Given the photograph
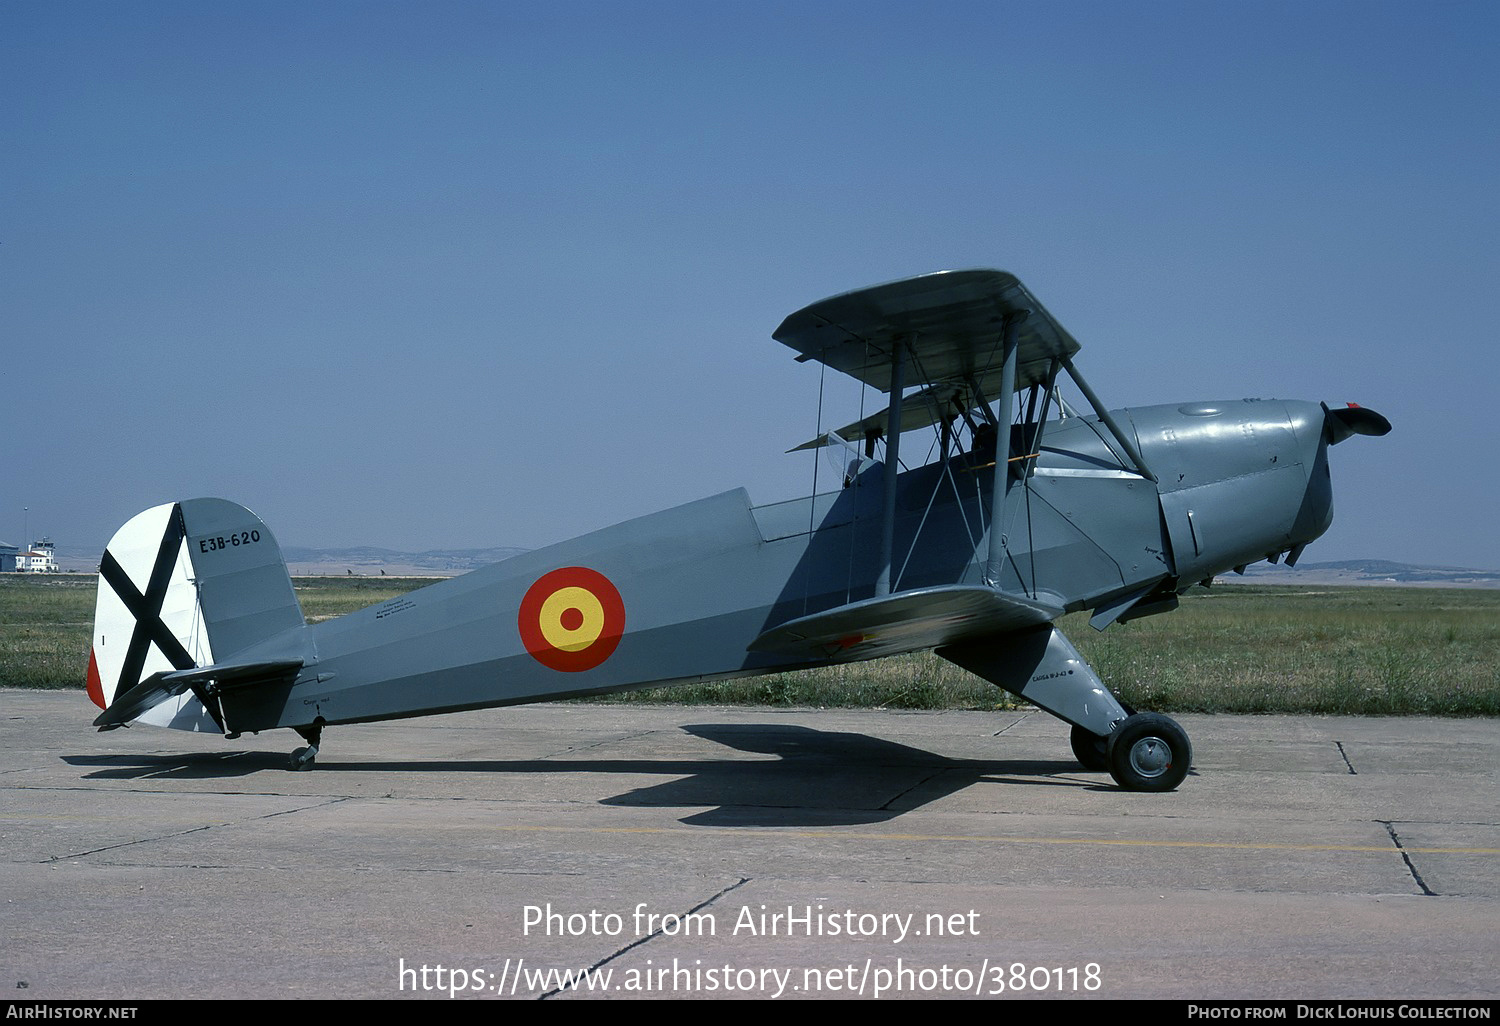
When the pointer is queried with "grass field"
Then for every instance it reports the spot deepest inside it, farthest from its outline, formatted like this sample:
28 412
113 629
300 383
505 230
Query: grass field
1238 648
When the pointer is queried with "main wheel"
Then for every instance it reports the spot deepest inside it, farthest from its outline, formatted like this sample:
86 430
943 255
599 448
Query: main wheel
1149 752
1092 750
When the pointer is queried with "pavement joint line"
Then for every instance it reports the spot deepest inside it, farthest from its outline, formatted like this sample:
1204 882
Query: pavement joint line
127 844
600 742
1345 756
173 790
906 791
182 833
1021 718
828 834
1406 857
656 933
836 835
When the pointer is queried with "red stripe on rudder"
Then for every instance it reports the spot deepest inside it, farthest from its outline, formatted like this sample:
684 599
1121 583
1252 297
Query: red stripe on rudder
96 689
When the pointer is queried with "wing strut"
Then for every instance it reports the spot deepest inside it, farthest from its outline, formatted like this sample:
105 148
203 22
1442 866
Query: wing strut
892 468
1034 444
1007 400
1107 420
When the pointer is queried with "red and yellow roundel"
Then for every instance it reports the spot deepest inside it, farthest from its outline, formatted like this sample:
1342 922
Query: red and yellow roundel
571 619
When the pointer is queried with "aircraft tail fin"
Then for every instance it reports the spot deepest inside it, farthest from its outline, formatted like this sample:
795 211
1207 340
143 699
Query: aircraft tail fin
181 586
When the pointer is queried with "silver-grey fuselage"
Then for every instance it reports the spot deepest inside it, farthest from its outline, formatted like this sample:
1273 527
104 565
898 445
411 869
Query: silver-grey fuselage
1234 482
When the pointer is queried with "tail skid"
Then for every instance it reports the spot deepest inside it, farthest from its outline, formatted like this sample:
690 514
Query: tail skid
181 586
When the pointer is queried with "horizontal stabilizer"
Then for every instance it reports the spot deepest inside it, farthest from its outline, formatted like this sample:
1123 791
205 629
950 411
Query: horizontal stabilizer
159 687
906 622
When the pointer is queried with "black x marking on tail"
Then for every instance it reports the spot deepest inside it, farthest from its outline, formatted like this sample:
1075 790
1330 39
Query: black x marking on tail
146 609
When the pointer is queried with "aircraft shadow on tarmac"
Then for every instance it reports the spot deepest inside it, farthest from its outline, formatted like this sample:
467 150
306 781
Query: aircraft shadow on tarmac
816 778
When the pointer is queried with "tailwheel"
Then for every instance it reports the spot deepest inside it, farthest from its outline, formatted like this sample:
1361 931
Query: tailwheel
1091 750
1149 752
302 758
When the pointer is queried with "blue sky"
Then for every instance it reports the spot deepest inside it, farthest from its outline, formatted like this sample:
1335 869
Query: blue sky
471 274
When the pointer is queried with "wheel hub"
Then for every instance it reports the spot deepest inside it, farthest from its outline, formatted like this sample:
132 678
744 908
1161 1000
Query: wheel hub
1151 757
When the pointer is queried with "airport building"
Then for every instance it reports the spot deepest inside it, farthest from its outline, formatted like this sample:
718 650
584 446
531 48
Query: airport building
39 559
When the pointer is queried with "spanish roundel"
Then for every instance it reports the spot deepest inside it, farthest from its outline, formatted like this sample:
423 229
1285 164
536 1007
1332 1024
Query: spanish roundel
571 619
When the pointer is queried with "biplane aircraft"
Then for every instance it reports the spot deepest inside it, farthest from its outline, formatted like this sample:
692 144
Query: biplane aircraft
1024 510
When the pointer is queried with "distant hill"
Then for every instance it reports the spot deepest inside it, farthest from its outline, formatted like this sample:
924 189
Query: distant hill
363 560
370 562
1367 571
449 562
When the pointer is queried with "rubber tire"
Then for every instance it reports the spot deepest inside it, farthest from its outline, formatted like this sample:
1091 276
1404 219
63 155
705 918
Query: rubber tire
1151 769
1090 749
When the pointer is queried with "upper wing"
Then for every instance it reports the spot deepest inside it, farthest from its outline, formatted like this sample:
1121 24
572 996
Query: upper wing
951 320
906 622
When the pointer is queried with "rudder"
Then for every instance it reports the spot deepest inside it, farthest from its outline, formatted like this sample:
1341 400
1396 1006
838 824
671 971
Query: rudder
183 585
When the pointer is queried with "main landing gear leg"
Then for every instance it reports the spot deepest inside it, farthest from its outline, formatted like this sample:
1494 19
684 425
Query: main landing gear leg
302 758
1142 751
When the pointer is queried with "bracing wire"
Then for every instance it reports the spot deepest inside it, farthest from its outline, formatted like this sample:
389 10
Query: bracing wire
812 501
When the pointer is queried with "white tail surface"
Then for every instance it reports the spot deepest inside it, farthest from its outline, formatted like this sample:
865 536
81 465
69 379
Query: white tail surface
179 585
